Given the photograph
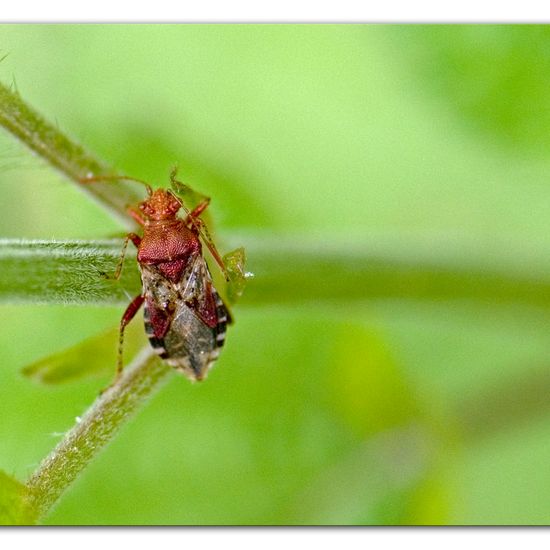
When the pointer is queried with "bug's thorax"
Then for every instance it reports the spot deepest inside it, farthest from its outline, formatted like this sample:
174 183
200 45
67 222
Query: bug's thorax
167 242
170 245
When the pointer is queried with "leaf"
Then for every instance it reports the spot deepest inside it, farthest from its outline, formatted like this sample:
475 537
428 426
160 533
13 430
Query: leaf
190 198
234 264
93 357
14 509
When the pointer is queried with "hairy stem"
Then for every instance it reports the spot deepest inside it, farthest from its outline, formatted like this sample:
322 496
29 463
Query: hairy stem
37 270
290 271
66 272
75 163
93 432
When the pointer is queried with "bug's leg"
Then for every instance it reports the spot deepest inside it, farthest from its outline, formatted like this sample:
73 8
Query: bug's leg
128 315
198 210
192 218
136 239
203 230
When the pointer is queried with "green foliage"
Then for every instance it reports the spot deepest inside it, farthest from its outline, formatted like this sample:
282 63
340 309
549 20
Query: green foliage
497 79
93 431
390 187
95 357
234 262
371 393
14 509
68 364
189 196
62 153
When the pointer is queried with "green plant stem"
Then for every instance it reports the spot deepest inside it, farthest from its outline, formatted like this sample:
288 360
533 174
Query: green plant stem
94 431
48 142
290 271
65 272
74 273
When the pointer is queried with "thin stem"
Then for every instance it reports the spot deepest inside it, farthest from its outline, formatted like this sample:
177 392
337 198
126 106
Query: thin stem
292 271
348 269
39 270
94 431
72 160
66 272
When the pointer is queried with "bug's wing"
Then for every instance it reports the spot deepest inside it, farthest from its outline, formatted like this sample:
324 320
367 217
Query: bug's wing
185 321
197 291
161 299
189 345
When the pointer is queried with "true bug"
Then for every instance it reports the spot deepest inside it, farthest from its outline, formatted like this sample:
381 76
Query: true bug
185 318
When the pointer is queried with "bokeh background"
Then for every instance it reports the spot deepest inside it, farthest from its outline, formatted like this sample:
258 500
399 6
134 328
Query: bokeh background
359 411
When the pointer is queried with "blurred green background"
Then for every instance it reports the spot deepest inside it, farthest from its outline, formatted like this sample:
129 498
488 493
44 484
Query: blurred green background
334 412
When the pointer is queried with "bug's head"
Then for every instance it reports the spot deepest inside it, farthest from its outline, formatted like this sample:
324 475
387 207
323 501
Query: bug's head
160 205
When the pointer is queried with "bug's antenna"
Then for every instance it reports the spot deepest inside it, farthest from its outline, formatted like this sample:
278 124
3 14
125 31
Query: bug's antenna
94 179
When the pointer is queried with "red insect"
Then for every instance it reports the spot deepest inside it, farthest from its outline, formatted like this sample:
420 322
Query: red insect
185 318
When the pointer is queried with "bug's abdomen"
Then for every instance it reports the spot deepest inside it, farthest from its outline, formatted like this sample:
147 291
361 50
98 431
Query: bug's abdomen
223 319
156 343
189 344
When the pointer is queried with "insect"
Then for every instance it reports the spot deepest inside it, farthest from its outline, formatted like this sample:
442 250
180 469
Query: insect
185 318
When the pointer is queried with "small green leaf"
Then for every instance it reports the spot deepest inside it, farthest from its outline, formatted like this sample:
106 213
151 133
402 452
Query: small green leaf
14 509
93 357
187 194
234 264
